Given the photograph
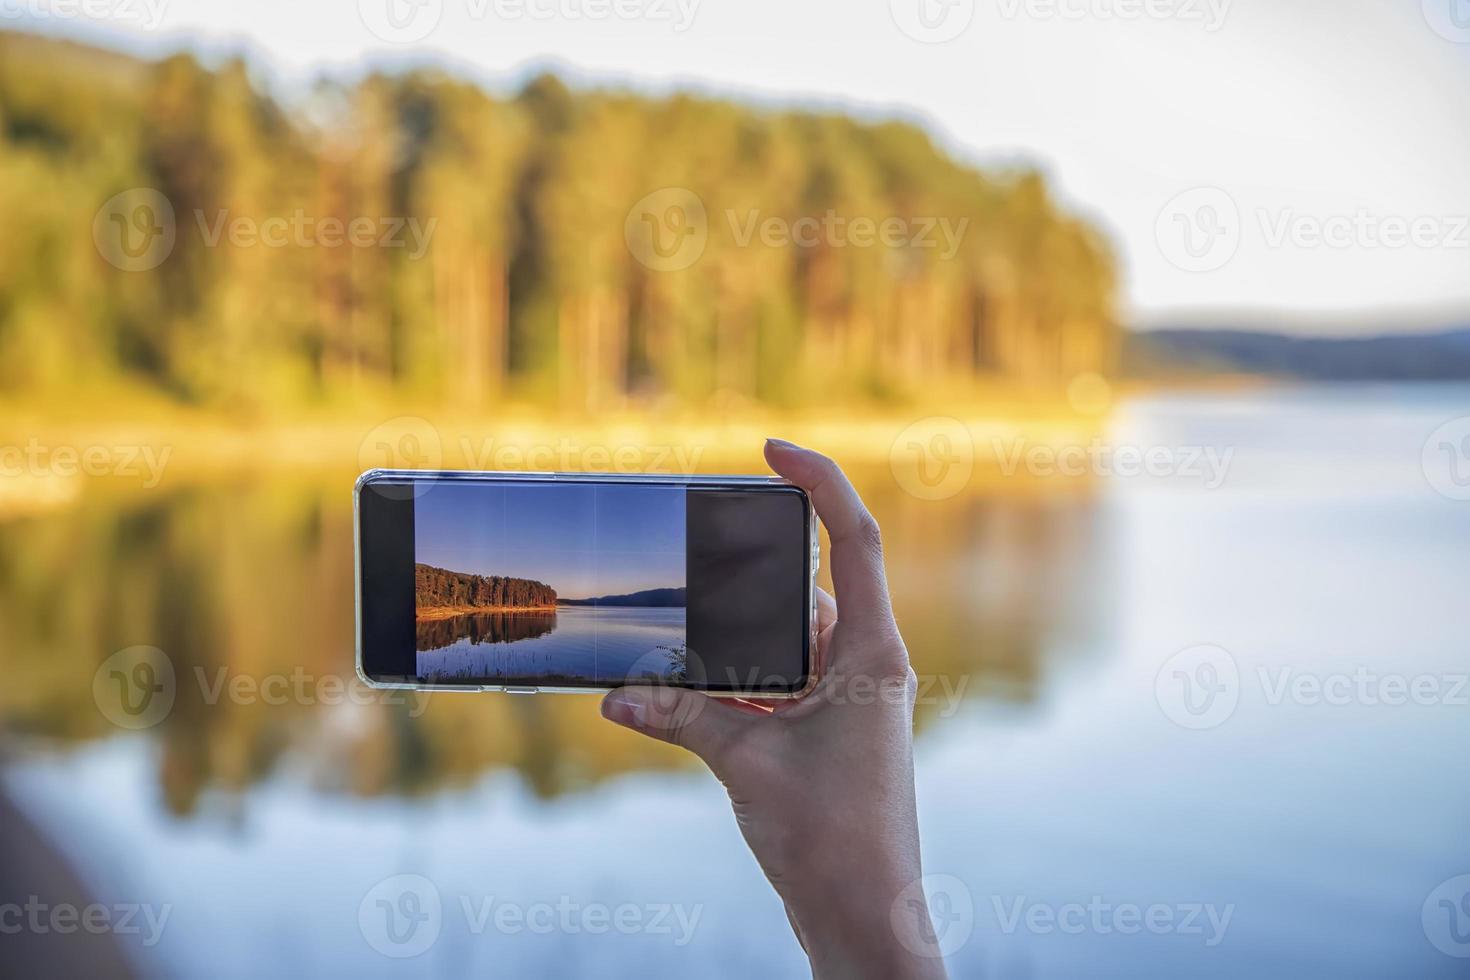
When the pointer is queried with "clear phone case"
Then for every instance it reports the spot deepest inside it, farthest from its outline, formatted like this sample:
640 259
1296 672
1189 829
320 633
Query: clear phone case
501 476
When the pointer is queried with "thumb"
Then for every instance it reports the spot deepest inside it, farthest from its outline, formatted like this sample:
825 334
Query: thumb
690 719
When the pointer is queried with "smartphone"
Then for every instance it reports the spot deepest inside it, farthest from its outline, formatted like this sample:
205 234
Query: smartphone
537 582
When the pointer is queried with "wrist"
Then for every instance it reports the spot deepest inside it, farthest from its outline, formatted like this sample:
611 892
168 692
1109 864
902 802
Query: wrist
877 927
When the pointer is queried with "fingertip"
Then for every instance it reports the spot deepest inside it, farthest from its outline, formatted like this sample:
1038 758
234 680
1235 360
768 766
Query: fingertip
623 707
788 459
777 449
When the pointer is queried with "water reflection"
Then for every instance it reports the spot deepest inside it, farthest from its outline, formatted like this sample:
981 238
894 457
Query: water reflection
247 588
477 628
1059 781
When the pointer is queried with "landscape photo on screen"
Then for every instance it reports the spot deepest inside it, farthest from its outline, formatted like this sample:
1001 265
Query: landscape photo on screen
575 584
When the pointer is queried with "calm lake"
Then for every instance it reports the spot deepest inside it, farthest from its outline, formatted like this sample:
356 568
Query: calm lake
1169 726
608 643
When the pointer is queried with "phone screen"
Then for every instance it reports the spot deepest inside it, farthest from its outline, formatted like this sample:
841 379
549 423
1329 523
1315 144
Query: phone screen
583 584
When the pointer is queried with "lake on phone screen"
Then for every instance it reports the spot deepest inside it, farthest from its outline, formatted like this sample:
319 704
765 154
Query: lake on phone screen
599 644
1203 722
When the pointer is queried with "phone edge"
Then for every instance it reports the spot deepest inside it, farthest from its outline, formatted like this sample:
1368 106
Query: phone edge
367 476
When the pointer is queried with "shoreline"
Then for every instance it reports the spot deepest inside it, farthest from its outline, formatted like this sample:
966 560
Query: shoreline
427 614
205 443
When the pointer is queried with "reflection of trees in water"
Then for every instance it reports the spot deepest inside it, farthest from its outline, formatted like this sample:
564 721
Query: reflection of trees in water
243 586
490 627
254 581
992 588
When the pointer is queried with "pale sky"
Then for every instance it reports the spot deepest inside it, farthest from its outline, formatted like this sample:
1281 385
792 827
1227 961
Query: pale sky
1338 130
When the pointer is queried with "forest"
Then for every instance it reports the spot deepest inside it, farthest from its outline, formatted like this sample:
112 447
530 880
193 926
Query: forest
441 590
416 236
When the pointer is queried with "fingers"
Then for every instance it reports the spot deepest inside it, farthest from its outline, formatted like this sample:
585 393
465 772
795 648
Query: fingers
690 719
857 553
826 609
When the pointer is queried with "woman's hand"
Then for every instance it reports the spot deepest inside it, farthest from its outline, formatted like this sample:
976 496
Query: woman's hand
823 787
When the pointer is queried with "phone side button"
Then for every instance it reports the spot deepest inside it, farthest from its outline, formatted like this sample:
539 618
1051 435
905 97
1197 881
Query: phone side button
519 690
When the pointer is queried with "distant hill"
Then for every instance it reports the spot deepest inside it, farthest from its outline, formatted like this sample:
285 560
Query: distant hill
648 597
1441 356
